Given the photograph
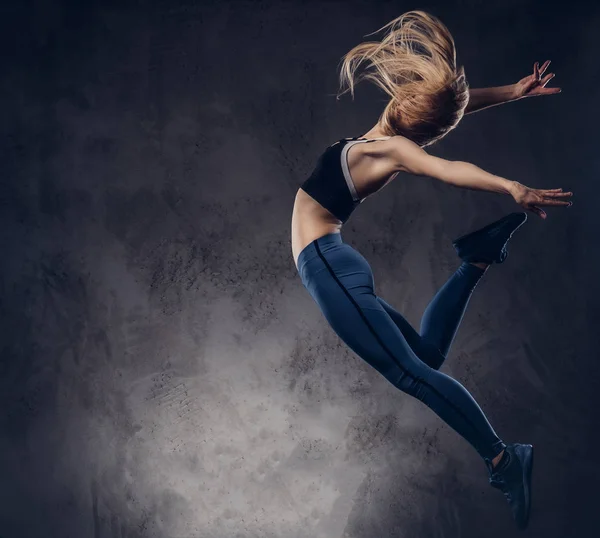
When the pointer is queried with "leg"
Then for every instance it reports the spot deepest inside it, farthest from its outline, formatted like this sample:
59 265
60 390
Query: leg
441 318
442 394
444 313
341 282
428 352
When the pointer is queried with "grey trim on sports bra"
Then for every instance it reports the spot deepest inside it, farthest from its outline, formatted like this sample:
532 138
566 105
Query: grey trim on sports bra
346 169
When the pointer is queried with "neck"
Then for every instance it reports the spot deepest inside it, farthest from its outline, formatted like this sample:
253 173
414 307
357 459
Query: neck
375 132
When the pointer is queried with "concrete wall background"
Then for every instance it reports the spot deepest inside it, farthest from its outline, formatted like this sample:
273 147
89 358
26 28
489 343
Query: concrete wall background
165 374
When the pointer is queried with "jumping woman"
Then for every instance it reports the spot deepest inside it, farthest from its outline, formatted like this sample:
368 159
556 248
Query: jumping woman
415 64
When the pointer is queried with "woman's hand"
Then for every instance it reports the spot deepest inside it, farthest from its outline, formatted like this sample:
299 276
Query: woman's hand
534 84
532 199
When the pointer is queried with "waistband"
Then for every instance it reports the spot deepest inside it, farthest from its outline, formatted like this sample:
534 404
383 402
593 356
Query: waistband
325 242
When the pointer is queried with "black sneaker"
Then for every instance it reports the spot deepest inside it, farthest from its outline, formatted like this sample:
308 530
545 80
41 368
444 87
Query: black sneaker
513 478
488 245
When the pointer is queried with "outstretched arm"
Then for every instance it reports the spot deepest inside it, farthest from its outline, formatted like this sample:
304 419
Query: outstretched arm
529 86
411 158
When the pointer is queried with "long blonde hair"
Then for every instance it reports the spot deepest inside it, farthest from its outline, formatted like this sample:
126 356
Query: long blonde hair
415 64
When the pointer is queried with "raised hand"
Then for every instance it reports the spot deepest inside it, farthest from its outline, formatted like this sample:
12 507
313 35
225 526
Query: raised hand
535 84
533 199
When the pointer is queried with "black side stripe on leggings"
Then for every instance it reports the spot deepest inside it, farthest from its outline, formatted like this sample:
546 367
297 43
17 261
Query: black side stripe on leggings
382 344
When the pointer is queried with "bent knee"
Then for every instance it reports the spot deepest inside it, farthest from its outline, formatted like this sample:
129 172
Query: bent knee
414 383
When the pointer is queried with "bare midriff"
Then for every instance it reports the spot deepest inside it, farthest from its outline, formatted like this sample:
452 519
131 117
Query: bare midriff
310 220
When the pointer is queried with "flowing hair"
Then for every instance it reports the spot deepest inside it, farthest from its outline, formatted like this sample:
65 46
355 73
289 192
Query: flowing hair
415 64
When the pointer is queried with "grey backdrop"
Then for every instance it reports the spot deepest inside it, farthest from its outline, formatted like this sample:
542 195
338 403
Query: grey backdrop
164 374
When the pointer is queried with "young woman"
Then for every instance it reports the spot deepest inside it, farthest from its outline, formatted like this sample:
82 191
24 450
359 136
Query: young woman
415 64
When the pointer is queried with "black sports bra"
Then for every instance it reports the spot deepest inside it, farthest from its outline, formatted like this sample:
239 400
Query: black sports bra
330 183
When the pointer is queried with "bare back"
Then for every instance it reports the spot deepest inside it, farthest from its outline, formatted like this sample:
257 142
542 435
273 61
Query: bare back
370 168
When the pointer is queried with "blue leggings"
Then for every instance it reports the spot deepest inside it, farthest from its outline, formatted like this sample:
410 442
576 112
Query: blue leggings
340 280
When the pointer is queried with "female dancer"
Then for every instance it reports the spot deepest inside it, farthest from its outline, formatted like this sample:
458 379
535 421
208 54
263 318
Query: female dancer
415 64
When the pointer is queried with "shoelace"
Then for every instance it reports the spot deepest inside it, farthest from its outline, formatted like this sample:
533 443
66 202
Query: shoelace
501 485
497 483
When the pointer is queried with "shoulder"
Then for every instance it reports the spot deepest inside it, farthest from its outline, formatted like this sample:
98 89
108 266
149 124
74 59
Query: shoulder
407 156
401 143
399 149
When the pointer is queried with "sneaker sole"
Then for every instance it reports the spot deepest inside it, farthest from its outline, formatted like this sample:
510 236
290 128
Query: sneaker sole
493 225
527 473
512 233
521 224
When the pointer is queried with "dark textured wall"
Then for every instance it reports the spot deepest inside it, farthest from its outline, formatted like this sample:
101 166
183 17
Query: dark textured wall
164 374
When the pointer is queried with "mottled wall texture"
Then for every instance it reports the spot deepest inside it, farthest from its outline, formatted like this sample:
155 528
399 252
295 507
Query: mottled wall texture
164 374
